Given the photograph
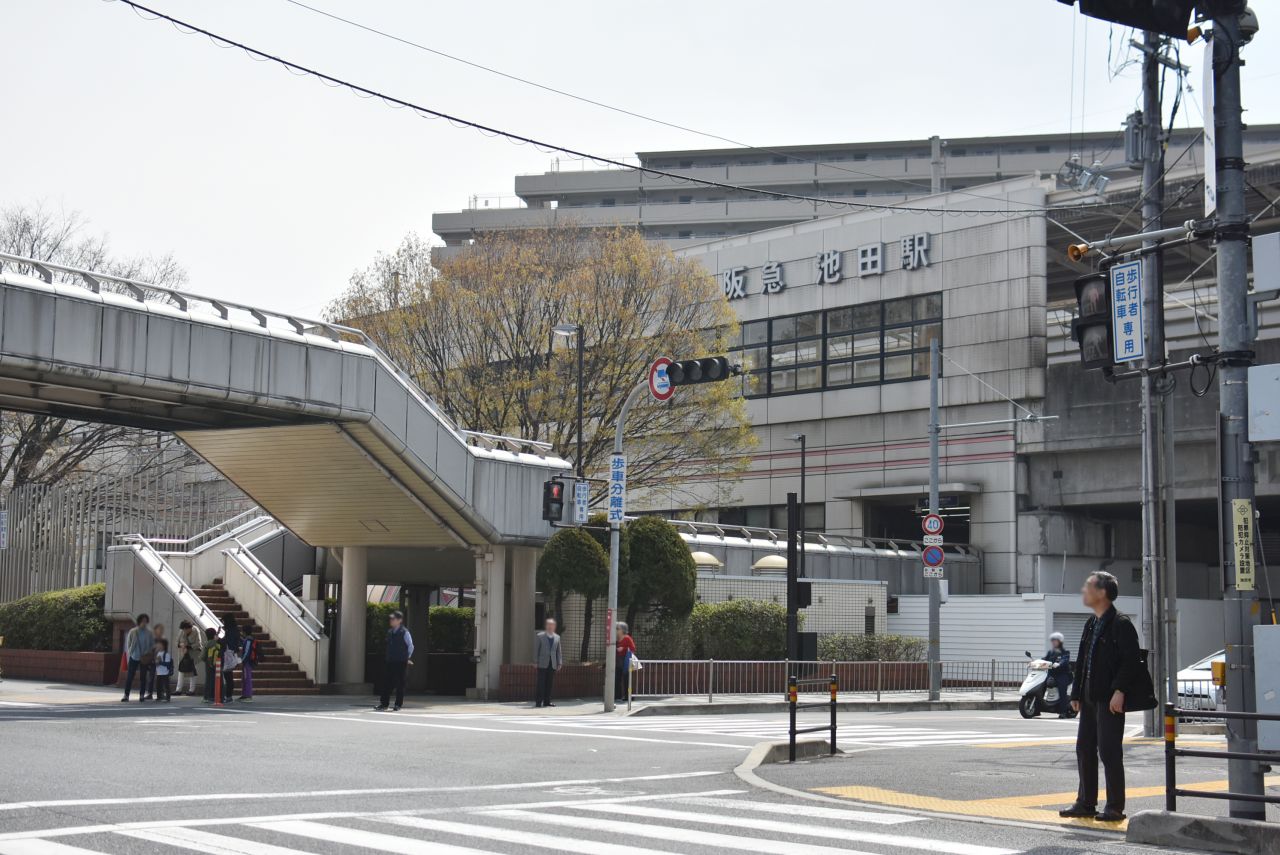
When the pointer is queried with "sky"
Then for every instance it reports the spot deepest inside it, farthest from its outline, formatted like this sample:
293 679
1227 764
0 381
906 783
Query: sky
271 189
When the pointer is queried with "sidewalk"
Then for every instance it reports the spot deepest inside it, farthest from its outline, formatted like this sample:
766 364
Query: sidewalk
846 702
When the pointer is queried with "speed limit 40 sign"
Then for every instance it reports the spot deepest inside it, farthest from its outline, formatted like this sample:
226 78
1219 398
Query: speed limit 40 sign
932 524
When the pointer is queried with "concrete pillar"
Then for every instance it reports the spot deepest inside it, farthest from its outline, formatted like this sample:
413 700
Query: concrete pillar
418 606
520 628
491 589
352 610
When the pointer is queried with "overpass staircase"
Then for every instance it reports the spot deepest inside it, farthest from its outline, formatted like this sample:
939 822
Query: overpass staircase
276 673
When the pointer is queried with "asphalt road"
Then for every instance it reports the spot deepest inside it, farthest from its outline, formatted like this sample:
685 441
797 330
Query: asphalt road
329 775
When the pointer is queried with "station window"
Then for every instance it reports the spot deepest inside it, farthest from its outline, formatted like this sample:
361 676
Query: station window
860 345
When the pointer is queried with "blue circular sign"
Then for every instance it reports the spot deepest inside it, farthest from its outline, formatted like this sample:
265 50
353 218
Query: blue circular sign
933 556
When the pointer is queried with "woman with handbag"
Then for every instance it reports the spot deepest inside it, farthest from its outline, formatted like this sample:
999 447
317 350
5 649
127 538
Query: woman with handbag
190 650
231 646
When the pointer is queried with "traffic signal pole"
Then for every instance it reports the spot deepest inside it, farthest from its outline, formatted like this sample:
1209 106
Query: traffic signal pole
615 543
1235 344
935 585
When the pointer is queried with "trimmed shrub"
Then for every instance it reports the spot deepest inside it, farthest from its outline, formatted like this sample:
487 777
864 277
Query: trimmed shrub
739 629
660 569
849 647
70 619
665 637
451 629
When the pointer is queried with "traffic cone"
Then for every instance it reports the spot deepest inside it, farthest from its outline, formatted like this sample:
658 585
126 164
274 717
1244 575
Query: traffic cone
124 665
217 684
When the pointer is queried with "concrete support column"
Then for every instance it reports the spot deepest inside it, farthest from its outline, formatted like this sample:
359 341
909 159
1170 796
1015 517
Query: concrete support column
416 621
521 611
491 589
352 611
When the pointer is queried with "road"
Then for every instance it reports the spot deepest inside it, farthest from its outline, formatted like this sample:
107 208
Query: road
329 775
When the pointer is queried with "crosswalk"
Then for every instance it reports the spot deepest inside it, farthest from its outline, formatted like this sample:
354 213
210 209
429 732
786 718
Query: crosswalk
775 727
711 821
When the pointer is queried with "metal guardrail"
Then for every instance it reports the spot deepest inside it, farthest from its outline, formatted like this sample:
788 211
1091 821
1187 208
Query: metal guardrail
794 705
148 556
276 590
709 678
1172 752
817 539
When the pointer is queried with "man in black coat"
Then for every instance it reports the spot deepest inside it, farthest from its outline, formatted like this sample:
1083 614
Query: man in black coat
1108 666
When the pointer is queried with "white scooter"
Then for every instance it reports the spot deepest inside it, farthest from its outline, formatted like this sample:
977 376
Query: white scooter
1039 693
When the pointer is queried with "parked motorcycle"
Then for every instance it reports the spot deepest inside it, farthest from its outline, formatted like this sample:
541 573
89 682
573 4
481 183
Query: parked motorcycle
1039 693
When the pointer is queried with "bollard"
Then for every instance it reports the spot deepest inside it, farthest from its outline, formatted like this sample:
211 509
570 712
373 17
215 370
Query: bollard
879 677
792 693
1170 759
217 683
993 679
834 692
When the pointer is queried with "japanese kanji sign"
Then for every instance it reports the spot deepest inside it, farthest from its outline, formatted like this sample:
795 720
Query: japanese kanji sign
1126 312
617 488
1242 532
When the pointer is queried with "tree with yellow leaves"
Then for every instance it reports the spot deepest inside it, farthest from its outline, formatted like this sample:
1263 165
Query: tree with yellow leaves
477 335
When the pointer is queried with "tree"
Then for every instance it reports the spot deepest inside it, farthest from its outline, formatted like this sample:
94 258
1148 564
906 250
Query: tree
47 449
661 571
573 562
477 335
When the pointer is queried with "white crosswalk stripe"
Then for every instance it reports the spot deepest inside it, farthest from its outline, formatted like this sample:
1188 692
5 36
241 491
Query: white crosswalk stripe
861 735
638 824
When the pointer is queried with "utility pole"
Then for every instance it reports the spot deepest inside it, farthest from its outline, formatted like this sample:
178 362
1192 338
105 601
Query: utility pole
1155 387
1235 344
935 585
793 585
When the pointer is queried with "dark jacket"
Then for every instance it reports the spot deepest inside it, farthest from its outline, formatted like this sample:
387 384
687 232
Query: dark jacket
399 645
1117 659
1061 660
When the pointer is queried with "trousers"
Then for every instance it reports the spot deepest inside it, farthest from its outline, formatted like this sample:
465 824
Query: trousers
1100 737
546 677
393 681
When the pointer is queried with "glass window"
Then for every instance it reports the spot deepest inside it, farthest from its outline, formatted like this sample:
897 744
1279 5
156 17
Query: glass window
752 358
898 339
920 366
782 381
840 320
755 332
866 371
866 316
839 373
784 328
810 324
925 333
809 378
866 343
898 367
815 516
754 385
928 307
782 354
839 347
758 517
809 351
897 312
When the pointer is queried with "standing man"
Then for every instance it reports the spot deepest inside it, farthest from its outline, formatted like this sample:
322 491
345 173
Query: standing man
399 657
1108 668
1060 673
138 646
549 660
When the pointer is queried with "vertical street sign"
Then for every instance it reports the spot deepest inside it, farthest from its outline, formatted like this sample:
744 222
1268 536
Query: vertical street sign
581 500
1126 311
1210 133
1242 529
4 529
617 488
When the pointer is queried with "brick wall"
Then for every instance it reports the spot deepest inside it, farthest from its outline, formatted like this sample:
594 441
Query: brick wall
93 669
517 682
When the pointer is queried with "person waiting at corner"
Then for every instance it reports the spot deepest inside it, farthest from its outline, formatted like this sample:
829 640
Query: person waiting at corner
138 646
1060 672
625 649
399 658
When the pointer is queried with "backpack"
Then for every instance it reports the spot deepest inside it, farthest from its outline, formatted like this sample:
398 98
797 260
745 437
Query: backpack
251 650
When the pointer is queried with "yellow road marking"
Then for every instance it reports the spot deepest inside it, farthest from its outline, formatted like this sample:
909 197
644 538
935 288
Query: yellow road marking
1023 808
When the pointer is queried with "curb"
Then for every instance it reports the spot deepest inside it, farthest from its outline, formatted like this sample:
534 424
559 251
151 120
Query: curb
1218 834
780 706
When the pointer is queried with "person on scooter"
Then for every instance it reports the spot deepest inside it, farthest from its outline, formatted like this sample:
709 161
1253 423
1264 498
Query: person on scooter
1060 672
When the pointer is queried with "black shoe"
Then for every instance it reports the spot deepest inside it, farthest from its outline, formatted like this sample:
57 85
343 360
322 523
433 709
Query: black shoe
380 708
1078 811
125 699
1110 815
396 708
548 704
1064 715
535 706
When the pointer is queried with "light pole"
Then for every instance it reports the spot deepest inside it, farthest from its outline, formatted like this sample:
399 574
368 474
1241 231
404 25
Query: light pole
566 331
800 438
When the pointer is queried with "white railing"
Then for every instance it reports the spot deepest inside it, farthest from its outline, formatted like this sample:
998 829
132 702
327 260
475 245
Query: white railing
210 538
709 678
182 593
284 599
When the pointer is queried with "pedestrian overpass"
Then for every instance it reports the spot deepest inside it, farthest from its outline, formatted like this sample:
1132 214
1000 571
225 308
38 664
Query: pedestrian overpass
309 418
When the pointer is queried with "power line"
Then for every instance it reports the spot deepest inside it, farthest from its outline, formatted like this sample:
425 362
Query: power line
427 112
624 111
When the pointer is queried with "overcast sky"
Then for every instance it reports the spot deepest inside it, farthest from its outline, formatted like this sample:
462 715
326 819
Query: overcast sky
272 188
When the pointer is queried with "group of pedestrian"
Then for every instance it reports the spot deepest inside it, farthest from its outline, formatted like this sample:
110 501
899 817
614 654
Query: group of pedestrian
549 658
148 657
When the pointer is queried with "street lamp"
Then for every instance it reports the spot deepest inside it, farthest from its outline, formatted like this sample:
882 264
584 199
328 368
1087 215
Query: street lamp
800 438
567 331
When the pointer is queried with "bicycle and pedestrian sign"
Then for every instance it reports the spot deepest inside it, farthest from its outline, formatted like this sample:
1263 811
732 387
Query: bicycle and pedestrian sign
660 386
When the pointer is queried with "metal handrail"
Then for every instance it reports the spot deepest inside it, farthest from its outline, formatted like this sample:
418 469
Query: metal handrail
182 593
275 589
1172 752
187 301
229 534
819 540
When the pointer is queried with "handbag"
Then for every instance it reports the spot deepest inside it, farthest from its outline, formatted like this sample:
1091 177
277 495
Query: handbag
636 664
186 665
230 661
1142 695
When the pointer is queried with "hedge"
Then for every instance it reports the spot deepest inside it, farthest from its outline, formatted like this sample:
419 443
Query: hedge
70 619
376 626
451 629
739 629
848 647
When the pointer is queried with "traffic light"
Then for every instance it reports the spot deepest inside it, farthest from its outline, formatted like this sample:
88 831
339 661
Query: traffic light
709 369
804 594
1091 328
553 500
1169 17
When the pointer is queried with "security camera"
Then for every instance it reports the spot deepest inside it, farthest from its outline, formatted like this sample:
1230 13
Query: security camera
1248 25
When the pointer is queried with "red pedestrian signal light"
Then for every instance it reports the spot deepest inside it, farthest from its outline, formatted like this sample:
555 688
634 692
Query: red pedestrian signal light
553 500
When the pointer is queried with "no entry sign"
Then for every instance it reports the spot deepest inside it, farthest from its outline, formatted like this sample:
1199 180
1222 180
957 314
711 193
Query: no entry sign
659 383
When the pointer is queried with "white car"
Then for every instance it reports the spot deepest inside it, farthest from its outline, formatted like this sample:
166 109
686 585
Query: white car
1195 685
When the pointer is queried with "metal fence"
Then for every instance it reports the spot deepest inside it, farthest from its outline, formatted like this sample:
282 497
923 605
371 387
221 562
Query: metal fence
709 678
58 535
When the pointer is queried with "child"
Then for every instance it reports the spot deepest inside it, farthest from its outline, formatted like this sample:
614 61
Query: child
164 668
212 659
248 659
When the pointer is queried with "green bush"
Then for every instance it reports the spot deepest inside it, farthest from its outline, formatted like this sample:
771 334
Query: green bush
451 629
665 637
739 629
376 626
848 647
70 619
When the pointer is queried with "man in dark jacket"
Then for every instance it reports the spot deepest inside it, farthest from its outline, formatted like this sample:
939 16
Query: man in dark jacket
1110 657
399 657
1060 672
